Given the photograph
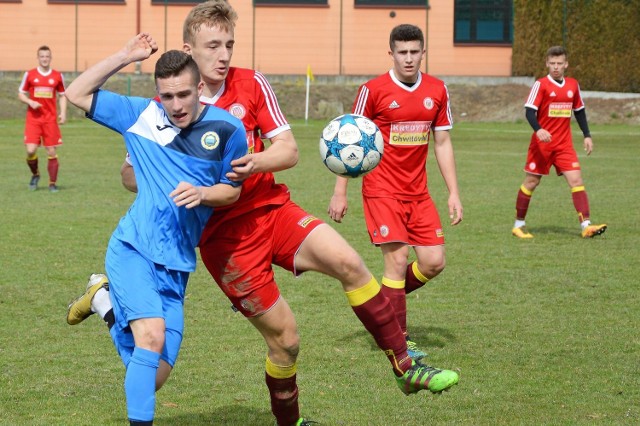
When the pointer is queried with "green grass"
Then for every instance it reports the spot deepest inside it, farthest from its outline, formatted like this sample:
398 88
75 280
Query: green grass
542 331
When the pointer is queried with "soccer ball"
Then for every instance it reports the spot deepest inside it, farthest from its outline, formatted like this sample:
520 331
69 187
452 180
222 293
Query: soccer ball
351 145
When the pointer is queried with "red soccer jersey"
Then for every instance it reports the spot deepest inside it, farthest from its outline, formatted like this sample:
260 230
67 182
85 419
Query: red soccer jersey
42 88
555 102
406 117
247 95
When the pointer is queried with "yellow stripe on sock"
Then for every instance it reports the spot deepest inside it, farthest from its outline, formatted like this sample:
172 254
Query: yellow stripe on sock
52 158
280 371
32 157
525 191
363 294
388 282
577 189
417 273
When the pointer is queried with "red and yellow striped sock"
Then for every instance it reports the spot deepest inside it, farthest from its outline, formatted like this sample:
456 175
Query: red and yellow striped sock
376 314
283 390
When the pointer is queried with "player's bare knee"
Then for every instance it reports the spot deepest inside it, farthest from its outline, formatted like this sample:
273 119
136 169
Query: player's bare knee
285 349
433 266
152 339
351 267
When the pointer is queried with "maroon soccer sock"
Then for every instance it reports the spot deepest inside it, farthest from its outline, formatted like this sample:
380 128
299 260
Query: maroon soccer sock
52 168
580 202
398 301
32 162
522 202
412 282
284 399
377 315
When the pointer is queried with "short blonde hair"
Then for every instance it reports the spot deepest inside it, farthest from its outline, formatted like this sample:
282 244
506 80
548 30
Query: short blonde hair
210 13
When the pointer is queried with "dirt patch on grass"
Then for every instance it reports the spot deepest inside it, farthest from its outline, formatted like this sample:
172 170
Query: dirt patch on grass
469 102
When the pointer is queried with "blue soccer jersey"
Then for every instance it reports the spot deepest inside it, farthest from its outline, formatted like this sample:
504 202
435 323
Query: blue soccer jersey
163 155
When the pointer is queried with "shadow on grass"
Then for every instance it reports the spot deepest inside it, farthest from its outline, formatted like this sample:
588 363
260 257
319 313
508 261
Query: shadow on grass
227 415
425 337
549 230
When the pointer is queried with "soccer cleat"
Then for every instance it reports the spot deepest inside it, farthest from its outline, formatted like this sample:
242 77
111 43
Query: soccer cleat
521 232
80 308
593 230
33 184
421 376
303 422
414 352
53 188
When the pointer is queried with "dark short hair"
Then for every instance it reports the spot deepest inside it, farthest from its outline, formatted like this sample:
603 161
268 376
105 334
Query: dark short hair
44 47
557 51
406 32
173 62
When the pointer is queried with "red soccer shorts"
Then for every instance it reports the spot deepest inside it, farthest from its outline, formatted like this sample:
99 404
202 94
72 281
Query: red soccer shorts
415 223
46 133
542 156
240 253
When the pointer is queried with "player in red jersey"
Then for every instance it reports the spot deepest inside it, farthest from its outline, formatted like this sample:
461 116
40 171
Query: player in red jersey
408 106
264 227
39 89
548 110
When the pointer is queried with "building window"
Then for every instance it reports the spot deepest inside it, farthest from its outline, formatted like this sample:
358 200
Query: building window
290 2
86 1
483 22
394 3
162 2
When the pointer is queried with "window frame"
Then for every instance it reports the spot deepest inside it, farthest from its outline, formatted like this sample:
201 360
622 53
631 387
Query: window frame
399 4
474 10
175 2
291 3
114 2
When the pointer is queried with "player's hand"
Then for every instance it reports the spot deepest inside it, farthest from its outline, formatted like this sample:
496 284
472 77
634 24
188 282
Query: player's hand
35 105
455 209
337 207
141 47
543 135
243 167
62 118
187 195
588 145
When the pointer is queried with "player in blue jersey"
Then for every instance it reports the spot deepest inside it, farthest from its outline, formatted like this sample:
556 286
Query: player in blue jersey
181 152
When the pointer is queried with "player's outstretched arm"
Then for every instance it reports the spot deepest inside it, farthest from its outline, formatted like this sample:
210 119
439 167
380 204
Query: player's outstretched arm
588 145
338 205
80 91
218 195
282 154
447 164
27 100
128 177
62 117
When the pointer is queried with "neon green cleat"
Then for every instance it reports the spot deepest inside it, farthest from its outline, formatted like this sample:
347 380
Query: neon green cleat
421 376
414 352
521 232
80 308
304 422
593 230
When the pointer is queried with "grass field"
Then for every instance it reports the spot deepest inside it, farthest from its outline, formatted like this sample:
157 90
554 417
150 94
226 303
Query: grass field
542 331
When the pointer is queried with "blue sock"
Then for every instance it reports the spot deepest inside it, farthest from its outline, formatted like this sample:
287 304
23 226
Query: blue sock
140 384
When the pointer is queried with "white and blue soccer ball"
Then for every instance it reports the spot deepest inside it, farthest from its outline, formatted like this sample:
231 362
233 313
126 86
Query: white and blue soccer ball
351 145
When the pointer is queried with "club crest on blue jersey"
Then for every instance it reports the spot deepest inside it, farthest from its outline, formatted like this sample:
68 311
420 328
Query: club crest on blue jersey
210 140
